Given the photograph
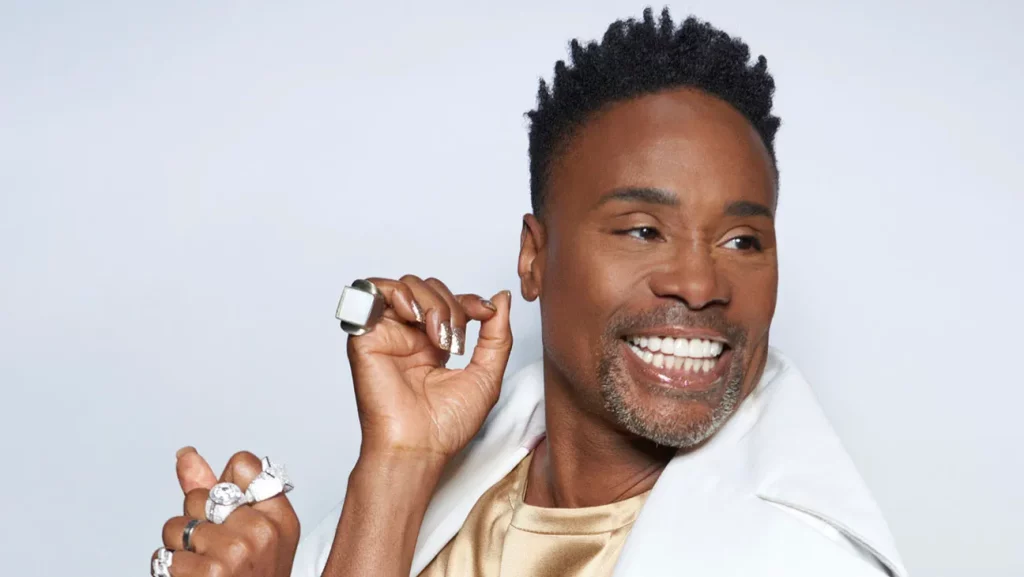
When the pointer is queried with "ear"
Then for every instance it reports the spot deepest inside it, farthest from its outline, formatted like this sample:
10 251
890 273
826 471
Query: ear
531 257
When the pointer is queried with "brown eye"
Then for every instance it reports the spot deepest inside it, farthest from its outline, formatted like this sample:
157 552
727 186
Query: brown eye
745 243
643 233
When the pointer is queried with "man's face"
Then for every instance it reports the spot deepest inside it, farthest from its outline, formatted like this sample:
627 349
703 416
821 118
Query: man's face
656 265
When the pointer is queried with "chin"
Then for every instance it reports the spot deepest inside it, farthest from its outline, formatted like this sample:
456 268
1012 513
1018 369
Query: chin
665 414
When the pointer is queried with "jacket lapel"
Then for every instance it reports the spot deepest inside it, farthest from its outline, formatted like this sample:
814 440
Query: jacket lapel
730 508
722 509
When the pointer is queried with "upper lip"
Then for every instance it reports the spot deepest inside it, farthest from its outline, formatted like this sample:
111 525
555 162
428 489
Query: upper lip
679 332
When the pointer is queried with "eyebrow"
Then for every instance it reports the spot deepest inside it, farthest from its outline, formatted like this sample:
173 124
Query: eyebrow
742 208
641 194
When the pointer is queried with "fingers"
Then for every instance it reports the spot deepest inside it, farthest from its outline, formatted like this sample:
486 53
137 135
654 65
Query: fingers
400 299
264 519
205 537
431 304
241 469
495 342
438 311
193 470
195 503
477 308
458 315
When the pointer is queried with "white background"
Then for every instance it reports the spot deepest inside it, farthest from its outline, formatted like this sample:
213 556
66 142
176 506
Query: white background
185 187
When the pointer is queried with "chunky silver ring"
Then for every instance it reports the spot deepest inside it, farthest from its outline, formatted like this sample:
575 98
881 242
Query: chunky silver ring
223 500
360 307
162 563
186 537
272 481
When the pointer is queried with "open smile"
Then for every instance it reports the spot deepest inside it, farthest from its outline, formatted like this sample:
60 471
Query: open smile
696 363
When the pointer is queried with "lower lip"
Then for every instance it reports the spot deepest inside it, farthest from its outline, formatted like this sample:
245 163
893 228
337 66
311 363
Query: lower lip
677 378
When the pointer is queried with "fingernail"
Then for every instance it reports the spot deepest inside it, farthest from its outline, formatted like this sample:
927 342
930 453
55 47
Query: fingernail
184 450
488 304
458 341
417 311
444 336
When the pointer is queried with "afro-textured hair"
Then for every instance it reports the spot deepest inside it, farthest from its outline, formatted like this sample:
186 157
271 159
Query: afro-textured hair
639 58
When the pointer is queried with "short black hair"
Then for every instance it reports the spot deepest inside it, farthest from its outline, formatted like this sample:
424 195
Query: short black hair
639 58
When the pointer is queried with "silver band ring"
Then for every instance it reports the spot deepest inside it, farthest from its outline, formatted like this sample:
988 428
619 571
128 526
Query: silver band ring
186 537
360 308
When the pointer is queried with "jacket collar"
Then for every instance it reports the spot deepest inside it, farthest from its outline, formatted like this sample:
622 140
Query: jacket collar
777 452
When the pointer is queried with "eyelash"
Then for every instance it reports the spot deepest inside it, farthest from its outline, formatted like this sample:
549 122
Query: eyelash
754 242
651 229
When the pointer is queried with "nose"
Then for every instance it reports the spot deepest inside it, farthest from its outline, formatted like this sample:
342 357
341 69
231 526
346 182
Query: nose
692 277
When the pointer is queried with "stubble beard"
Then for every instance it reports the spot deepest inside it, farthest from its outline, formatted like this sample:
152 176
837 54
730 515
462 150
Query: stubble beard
693 423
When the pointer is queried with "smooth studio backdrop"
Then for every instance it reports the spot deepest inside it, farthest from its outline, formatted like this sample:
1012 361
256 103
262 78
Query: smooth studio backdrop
185 187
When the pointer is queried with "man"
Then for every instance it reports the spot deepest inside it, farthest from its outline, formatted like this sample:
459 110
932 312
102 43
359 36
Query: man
660 435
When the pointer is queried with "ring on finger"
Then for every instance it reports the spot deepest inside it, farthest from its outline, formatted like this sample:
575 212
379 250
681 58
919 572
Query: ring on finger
360 308
223 500
186 536
161 565
273 480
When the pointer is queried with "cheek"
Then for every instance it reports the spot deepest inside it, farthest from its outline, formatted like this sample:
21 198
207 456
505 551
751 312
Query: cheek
581 289
754 292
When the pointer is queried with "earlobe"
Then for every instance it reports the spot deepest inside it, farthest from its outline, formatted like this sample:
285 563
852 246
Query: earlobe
531 247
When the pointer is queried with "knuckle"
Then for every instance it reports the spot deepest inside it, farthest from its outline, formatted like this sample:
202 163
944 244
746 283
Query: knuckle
264 533
244 462
243 457
405 278
436 283
216 568
238 551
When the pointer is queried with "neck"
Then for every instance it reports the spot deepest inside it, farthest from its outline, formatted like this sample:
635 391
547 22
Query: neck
585 461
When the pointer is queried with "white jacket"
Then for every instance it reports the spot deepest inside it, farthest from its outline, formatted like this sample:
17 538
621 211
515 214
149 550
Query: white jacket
772 493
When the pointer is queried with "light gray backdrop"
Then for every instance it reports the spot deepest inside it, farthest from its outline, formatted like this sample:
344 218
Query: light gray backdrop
185 187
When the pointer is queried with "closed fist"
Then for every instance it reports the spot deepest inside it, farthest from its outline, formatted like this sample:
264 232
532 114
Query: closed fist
257 540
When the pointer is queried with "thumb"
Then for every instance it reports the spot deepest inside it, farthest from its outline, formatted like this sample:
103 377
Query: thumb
494 343
193 471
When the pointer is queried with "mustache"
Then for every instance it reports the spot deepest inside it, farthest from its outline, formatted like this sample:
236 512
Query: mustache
678 315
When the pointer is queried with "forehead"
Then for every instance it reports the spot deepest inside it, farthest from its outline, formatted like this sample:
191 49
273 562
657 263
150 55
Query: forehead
684 141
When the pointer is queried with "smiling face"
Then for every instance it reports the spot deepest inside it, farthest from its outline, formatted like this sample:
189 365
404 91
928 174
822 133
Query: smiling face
655 265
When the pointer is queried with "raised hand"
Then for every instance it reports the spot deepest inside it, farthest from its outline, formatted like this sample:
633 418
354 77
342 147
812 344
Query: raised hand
409 402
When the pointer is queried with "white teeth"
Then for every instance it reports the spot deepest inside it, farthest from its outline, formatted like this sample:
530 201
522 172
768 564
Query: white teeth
654 343
675 362
694 348
668 346
682 348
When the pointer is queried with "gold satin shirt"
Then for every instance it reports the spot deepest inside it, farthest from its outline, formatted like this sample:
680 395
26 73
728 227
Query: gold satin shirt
505 537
